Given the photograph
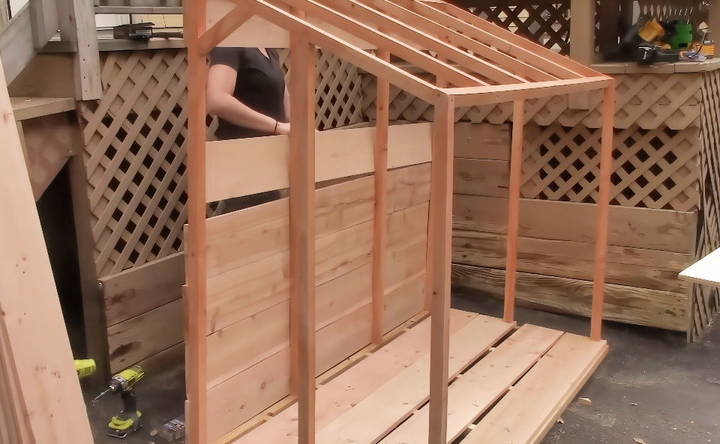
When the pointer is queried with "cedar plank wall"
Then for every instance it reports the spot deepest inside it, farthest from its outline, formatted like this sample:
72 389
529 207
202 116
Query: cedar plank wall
647 247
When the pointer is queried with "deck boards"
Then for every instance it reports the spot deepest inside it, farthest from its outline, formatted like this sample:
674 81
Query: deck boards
375 415
550 384
383 397
482 385
352 386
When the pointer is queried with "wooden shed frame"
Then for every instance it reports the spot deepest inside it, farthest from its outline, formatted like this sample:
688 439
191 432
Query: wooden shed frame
476 63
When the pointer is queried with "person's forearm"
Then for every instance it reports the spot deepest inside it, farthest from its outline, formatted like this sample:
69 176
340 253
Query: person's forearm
234 111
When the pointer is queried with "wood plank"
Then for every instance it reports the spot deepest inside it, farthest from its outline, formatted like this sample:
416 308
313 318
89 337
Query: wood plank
634 267
356 383
44 19
16 44
513 218
141 289
629 227
382 120
46 396
248 166
482 141
551 385
440 257
632 305
390 404
477 177
31 107
237 346
303 64
77 25
483 384
705 271
145 335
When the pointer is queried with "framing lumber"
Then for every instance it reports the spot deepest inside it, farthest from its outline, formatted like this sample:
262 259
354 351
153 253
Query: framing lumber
196 304
382 121
603 205
46 400
441 240
380 255
45 21
77 25
513 225
303 59
16 44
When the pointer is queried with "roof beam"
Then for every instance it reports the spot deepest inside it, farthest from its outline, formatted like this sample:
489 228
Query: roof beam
500 38
485 95
459 40
414 85
425 41
222 29
394 46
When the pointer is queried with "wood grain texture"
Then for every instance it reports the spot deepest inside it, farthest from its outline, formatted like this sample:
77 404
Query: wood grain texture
482 385
48 405
247 166
141 289
482 141
377 414
634 267
551 385
482 177
639 306
357 382
629 227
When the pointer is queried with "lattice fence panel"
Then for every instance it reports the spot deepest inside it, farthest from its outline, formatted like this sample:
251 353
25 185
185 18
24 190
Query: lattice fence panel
695 11
134 156
134 150
544 21
652 169
706 301
649 101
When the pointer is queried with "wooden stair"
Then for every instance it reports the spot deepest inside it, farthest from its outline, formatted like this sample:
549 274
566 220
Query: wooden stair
49 134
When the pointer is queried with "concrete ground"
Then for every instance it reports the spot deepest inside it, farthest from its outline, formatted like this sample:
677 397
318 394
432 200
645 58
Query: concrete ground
653 388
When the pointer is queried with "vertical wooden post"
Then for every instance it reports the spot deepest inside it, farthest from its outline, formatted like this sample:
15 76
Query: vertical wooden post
582 43
603 204
382 120
513 225
303 60
196 373
77 24
442 192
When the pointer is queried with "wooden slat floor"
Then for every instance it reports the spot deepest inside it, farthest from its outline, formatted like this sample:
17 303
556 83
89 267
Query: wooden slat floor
507 385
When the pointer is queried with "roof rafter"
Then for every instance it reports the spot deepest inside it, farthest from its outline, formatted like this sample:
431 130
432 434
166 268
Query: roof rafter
381 40
457 39
421 39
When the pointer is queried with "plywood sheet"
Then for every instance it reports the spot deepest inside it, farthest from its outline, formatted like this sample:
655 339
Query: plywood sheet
705 271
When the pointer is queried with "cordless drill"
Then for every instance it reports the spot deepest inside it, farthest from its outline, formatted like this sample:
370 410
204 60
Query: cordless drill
130 418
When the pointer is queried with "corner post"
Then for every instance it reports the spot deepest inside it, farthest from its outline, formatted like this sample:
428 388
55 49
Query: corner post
196 265
603 209
441 222
382 118
513 224
303 61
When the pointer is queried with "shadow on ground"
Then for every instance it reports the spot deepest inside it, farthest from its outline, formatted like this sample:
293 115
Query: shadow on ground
652 388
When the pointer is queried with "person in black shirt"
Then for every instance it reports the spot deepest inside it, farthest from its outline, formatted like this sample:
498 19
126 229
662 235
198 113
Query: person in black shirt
246 90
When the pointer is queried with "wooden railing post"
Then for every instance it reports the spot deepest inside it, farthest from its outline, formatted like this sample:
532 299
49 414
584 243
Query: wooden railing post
303 59
603 209
582 43
513 225
441 250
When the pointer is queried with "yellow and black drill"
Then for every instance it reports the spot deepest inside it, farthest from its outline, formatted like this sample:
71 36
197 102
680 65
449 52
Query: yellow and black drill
130 418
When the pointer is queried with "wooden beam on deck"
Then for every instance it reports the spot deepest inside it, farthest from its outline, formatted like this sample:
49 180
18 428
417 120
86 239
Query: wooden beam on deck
77 25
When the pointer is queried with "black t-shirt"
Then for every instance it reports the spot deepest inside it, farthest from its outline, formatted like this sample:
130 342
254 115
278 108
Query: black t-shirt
260 84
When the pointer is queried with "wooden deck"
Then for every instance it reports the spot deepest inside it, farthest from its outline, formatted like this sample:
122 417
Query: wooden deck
494 369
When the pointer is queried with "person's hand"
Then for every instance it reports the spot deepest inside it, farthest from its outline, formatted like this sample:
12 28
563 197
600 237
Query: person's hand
283 128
